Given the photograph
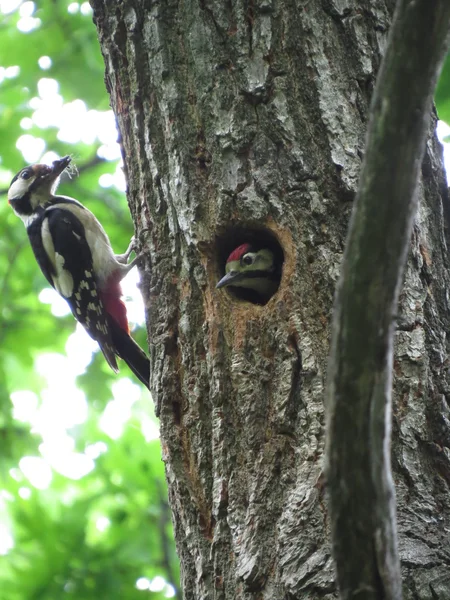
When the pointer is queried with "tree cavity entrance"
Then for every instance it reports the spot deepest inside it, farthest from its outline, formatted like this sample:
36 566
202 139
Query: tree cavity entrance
253 259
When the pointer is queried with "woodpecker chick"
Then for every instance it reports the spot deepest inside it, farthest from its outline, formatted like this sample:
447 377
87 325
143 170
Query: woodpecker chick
76 257
252 270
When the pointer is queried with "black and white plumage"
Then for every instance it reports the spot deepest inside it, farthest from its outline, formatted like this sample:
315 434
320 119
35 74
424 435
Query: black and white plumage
75 255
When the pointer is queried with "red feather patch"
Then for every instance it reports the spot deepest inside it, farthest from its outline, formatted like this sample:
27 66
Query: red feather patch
113 303
239 252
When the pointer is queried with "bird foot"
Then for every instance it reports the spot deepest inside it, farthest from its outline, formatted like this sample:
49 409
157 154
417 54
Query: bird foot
123 258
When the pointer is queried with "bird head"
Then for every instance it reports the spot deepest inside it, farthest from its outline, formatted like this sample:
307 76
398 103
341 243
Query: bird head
34 185
253 270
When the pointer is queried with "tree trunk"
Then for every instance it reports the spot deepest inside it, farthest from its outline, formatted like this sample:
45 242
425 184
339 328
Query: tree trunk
245 121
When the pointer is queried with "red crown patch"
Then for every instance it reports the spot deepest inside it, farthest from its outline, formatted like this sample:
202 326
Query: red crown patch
238 252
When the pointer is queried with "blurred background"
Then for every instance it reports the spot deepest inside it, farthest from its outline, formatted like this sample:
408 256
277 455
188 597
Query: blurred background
83 501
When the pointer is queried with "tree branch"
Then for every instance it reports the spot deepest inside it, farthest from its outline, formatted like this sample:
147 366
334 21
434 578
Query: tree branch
361 492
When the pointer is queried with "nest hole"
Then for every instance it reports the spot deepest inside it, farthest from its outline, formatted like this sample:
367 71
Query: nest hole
258 238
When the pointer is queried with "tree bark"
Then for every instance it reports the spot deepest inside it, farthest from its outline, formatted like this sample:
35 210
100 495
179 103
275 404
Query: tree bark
247 120
358 395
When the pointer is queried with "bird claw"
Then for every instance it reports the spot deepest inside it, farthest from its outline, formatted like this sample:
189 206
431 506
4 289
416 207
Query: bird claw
123 258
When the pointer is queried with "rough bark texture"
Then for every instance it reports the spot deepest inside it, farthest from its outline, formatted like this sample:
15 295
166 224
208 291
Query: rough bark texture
239 116
358 396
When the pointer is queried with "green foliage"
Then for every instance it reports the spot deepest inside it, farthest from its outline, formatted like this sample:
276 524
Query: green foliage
442 97
95 536
60 549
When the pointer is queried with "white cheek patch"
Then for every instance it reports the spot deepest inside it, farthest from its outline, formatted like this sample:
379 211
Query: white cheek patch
62 280
20 187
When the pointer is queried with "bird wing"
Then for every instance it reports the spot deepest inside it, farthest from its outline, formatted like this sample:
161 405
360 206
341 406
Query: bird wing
66 261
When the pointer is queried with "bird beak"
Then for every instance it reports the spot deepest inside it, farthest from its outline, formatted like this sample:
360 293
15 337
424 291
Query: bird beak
230 278
59 166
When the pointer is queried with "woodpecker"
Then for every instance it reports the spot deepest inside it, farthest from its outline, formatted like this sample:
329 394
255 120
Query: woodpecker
253 270
76 257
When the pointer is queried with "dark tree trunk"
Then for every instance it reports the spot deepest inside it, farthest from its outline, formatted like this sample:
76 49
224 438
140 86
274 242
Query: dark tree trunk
243 120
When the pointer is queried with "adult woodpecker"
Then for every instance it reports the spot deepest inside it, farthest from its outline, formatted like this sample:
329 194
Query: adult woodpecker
253 270
75 255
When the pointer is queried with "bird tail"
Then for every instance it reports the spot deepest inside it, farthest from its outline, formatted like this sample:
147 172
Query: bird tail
127 349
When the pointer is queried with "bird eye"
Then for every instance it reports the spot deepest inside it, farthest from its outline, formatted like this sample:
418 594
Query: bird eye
247 259
26 174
